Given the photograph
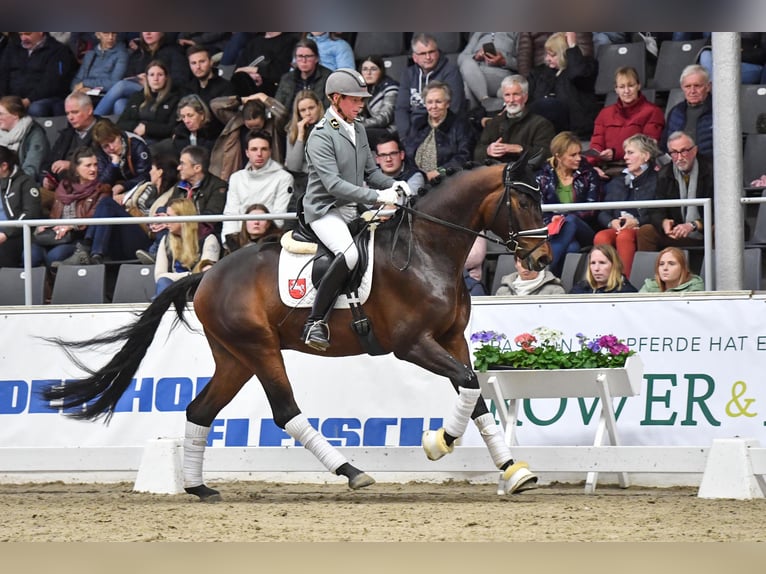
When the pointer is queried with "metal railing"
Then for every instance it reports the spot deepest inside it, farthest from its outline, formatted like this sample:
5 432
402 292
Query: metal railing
28 225
707 219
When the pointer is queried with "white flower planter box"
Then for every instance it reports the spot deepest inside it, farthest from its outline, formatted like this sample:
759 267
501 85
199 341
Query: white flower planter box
507 387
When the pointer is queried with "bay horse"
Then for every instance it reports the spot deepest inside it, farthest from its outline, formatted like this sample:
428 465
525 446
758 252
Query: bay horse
418 307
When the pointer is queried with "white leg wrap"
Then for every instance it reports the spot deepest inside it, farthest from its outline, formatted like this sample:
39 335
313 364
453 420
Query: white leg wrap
457 422
493 438
299 428
195 440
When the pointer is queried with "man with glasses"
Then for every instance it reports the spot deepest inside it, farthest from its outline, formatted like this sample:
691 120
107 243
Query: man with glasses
429 65
393 162
695 114
307 74
207 191
689 176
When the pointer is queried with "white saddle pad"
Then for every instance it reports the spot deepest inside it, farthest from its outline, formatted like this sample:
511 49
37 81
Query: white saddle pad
295 286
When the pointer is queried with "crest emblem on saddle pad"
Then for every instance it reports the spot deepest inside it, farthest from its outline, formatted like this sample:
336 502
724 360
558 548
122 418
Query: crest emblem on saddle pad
297 288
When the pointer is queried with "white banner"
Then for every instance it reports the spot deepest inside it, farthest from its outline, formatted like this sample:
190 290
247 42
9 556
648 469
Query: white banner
703 359
703 366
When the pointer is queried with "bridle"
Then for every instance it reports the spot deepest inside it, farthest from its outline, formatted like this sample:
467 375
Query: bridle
512 243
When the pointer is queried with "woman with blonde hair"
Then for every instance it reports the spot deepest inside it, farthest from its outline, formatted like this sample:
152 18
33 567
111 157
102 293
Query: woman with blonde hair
605 273
307 111
567 178
672 273
638 183
562 89
181 252
631 114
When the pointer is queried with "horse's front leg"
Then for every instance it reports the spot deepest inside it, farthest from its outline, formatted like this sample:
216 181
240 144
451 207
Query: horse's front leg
442 360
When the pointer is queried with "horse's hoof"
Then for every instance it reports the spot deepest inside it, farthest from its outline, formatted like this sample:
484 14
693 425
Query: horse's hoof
205 493
518 478
435 445
360 481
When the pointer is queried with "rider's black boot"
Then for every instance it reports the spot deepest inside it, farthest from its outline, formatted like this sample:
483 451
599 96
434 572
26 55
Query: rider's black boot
316 333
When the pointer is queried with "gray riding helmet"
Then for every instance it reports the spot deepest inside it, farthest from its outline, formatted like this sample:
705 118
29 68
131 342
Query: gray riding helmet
347 82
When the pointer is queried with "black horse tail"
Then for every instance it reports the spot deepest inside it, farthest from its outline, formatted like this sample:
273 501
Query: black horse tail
98 394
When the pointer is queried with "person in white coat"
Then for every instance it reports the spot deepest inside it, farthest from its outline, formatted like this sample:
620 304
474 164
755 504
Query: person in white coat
262 181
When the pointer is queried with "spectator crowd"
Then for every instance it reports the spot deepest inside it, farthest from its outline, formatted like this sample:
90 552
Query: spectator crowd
216 123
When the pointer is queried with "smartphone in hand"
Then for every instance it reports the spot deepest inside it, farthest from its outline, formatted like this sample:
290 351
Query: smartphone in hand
489 48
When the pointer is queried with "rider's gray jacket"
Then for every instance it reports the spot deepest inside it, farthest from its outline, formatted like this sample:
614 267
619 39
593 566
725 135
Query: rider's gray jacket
338 168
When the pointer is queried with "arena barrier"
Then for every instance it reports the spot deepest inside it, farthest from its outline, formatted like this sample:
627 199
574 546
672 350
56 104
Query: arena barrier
702 384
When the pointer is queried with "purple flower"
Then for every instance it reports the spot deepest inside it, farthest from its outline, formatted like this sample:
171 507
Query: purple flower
485 337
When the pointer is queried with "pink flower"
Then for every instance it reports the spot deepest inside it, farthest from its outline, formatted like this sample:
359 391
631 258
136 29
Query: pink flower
525 341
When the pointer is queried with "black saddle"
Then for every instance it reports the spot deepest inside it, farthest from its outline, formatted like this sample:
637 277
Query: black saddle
360 232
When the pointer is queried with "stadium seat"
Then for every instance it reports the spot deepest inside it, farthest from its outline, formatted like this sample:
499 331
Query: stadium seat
135 284
754 158
226 70
751 280
395 65
671 60
575 269
448 41
752 102
758 238
12 285
79 284
505 265
613 56
643 267
378 43
675 96
52 126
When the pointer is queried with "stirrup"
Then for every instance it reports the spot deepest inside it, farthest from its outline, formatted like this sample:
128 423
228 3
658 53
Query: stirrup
317 335
517 478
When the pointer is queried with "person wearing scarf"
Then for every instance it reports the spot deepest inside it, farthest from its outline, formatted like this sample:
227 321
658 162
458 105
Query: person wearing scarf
524 281
75 197
20 133
689 176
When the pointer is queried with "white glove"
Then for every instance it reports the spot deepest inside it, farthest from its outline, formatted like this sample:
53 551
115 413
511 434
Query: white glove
388 195
403 188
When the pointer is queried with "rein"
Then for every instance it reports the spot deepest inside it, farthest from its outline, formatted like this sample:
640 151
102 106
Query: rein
511 244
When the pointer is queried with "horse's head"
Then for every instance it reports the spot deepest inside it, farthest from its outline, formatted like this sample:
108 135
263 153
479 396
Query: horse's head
518 219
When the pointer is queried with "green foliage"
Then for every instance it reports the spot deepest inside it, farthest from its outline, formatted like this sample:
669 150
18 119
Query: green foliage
542 349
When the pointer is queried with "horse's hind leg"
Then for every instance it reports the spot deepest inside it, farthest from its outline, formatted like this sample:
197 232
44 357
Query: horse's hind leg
229 377
271 372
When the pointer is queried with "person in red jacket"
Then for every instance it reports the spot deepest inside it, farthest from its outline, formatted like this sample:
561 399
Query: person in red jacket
631 114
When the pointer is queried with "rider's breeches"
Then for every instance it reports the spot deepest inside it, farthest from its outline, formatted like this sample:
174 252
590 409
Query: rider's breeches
332 229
